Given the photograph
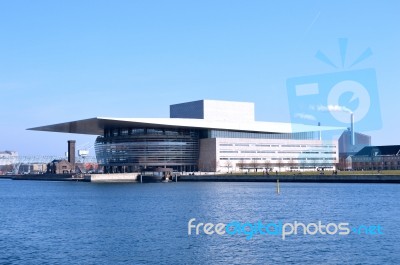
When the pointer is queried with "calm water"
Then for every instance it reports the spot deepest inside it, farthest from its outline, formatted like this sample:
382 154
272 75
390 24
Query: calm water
87 223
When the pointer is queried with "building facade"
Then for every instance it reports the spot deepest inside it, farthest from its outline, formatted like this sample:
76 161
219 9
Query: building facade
350 143
246 154
205 135
377 158
60 167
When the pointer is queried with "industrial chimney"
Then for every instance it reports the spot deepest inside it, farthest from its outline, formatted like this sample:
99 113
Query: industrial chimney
319 132
352 134
71 152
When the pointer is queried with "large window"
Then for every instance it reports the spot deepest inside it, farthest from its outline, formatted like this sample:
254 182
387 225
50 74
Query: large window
148 147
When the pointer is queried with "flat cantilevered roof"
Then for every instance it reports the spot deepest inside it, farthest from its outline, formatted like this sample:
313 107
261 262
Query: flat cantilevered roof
96 126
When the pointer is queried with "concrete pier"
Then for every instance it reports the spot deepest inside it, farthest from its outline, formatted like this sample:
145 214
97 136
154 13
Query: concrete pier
119 177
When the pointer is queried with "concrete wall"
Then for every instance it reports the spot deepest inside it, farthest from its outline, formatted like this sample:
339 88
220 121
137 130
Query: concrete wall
122 177
228 111
207 157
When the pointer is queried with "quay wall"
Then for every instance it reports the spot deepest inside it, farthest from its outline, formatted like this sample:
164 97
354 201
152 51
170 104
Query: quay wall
295 178
118 177
48 177
134 177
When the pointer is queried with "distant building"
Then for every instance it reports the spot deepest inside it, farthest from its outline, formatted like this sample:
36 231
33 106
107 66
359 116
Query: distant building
349 147
8 157
34 168
346 147
60 167
377 158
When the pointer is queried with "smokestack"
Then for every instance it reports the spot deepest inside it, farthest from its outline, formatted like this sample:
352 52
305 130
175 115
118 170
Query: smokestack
352 135
71 152
319 133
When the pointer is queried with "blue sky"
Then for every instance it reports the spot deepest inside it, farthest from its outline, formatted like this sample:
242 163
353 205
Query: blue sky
69 60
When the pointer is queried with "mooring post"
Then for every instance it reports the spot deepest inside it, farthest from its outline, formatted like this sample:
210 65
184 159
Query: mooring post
278 190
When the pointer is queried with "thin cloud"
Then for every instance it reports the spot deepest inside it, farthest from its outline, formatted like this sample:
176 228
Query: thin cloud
304 116
331 108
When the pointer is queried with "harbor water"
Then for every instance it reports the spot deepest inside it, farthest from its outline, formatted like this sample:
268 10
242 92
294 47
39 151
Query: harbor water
132 223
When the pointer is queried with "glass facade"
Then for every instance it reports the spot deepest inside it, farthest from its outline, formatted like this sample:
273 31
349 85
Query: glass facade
148 148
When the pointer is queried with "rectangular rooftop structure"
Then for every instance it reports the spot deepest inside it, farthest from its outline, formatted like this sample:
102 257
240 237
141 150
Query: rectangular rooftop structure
214 110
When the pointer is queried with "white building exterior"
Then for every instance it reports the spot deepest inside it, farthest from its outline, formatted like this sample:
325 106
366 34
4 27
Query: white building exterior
236 154
205 135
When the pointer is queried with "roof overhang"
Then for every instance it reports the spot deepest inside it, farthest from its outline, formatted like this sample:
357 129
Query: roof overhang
96 126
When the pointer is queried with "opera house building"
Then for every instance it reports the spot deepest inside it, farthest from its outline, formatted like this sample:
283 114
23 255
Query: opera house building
204 135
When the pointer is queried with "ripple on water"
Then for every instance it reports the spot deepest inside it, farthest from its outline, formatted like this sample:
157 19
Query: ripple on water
86 223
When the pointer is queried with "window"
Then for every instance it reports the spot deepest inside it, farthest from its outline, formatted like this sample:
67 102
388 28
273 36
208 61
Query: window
258 135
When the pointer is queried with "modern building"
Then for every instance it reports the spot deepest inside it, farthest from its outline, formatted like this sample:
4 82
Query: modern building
377 158
205 135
